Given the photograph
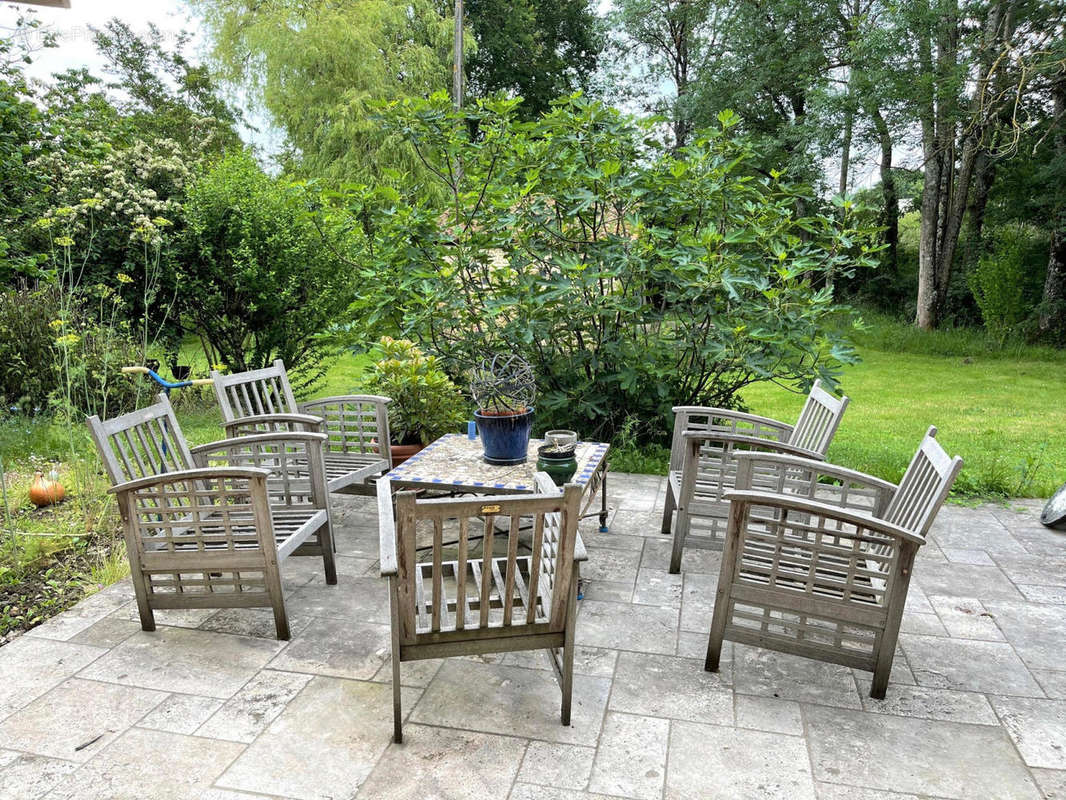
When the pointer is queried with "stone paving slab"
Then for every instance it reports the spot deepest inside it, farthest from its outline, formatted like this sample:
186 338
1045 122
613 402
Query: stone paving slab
211 706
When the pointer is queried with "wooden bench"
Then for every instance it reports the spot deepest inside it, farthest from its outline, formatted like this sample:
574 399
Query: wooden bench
819 564
209 527
447 604
357 425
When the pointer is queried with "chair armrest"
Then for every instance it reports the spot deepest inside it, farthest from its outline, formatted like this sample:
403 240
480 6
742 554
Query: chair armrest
580 553
278 437
308 422
790 502
823 468
753 441
345 398
740 416
386 528
213 473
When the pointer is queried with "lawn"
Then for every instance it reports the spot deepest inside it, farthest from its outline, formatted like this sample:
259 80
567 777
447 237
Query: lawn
1001 409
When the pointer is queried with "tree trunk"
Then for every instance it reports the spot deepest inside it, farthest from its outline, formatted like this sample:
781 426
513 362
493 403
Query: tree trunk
845 156
1053 304
889 194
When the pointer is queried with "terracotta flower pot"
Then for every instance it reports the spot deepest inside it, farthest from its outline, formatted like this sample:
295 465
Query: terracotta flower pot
402 452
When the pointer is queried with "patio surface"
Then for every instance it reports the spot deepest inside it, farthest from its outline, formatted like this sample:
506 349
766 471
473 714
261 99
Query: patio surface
211 706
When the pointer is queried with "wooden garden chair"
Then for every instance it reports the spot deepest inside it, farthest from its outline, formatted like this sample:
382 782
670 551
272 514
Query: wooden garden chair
446 604
208 527
703 463
357 425
818 558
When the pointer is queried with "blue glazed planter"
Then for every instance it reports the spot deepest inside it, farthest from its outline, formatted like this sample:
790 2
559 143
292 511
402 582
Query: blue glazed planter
505 439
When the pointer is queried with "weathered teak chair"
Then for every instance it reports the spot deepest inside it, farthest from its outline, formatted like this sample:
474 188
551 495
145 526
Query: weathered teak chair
703 465
208 527
357 425
822 569
449 606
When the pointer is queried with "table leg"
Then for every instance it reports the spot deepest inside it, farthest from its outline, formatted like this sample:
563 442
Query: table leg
603 499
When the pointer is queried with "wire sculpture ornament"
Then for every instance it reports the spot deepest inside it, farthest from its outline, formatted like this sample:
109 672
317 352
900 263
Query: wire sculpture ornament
503 384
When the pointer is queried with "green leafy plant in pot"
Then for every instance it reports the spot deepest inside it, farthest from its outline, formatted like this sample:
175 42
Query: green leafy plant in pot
425 405
503 388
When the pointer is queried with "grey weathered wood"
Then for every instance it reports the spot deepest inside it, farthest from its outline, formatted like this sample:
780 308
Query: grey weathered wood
703 454
209 527
818 558
357 426
517 602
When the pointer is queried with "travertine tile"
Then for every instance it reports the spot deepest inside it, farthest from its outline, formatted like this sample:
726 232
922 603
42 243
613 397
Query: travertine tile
734 764
607 564
77 719
532 791
143 763
466 766
257 622
30 666
963 555
769 714
107 632
564 766
1036 631
771 674
833 791
1053 682
1052 783
343 649
927 703
510 700
181 713
185 661
365 599
658 588
631 757
26 777
1038 728
966 618
879 751
254 707
84 615
965 580
595 661
968 665
648 629
671 687
324 744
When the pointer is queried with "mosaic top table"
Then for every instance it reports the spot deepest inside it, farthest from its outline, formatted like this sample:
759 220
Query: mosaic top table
456 463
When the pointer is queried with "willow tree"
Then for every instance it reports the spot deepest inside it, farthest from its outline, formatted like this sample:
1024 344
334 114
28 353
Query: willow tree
319 66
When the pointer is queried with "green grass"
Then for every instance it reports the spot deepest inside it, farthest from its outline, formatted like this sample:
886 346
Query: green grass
1001 408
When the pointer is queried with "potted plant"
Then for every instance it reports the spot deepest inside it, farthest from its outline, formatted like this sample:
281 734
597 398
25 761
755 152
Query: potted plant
425 405
503 389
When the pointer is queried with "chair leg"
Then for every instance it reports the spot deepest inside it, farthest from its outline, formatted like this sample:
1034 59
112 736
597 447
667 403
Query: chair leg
668 508
680 532
272 578
325 538
568 652
397 708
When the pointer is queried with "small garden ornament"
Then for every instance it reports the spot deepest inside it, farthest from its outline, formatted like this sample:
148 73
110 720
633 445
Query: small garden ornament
46 491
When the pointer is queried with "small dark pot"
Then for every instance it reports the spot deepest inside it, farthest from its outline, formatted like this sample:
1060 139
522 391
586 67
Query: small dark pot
505 439
180 371
560 468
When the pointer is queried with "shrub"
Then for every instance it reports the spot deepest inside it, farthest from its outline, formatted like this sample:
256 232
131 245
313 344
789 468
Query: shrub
65 357
425 403
1006 281
629 278
257 279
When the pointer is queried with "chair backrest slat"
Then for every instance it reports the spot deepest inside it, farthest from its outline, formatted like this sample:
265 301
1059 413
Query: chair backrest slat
819 420
254 393
924 487
510 588
142 443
